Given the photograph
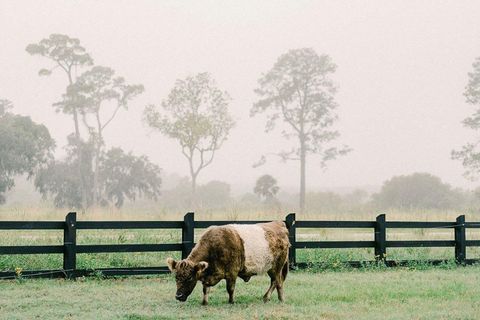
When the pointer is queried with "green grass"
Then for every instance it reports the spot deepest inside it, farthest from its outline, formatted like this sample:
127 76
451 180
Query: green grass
356 294
318 258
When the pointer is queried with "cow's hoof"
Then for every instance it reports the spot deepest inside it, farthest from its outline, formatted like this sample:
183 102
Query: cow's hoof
204 303
266 299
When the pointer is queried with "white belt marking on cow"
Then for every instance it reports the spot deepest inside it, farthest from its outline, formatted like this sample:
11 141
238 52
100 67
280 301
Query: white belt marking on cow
258 257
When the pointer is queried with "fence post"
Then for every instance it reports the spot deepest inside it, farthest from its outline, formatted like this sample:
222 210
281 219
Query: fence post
290 222
460 240
69 245
380 238
187 234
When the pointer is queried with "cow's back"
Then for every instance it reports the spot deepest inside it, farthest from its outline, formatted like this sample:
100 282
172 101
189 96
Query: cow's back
257 252
245 249
265 245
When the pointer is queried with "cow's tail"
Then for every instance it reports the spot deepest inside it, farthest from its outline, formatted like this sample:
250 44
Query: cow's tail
285 270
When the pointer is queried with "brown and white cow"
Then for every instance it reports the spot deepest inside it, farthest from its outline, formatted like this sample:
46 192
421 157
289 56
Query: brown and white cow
231 251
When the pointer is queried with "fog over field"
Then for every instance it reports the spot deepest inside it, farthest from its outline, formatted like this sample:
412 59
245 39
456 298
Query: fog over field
402 69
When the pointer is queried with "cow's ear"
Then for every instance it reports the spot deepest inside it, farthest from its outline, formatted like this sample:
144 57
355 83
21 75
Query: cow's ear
201 266
171 264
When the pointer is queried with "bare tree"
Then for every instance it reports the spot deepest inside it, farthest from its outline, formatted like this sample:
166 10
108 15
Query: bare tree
299 92
68 55
196 115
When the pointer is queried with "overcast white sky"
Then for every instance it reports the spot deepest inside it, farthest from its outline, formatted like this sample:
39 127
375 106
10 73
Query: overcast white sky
402 69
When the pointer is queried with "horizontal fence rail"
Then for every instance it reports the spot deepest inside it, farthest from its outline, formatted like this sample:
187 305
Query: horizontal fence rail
129 225
70 249
31 225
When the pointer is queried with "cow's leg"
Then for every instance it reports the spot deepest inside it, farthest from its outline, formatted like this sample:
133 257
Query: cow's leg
285 270
268 294
206 290
230 288
279 285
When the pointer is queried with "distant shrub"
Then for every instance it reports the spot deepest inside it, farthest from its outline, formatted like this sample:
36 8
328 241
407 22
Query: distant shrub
418 191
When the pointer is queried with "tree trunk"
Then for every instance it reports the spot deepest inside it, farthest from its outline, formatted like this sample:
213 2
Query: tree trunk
302 175
96 190
193 175
194 184
79 153
98 146
80 160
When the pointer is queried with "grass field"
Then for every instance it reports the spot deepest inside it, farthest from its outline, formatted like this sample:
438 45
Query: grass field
44 210
374 294
327 290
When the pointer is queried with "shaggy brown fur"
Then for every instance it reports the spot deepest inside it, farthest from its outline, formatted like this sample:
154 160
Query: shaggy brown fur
220 254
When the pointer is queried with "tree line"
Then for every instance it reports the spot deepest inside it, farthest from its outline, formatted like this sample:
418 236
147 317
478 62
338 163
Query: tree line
298 92
415 192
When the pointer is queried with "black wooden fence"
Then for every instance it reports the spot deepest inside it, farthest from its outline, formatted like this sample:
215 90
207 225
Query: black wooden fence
70 249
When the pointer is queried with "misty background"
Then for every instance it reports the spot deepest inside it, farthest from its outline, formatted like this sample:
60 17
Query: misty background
402 68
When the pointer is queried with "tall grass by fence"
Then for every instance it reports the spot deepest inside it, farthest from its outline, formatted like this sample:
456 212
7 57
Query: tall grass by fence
70 248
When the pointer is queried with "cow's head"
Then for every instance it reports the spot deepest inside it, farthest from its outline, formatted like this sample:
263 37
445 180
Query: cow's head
186 274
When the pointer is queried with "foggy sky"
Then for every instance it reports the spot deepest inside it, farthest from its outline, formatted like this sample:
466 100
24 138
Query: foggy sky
402 69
